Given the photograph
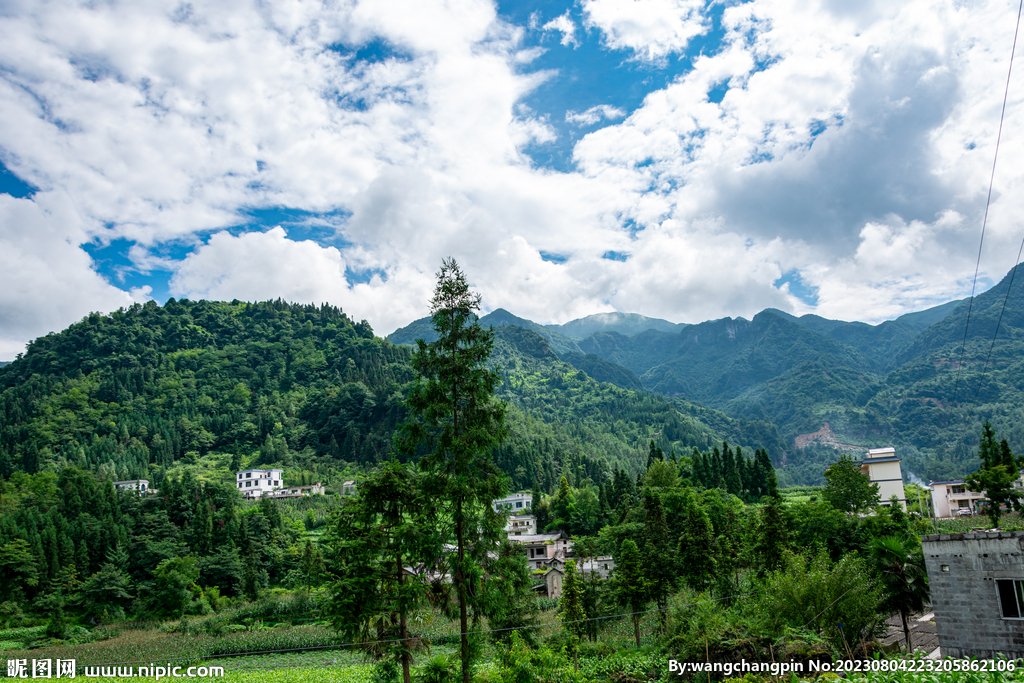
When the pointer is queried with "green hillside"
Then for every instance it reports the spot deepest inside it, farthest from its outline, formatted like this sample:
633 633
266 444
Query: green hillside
875 385
211 387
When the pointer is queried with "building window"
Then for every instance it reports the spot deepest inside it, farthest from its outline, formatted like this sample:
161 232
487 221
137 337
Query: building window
957 489
1011 597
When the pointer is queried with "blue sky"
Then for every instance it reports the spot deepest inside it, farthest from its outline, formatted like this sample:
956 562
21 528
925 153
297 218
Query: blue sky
682 159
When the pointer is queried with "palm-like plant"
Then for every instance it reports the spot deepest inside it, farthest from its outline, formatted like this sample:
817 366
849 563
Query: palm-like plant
900 564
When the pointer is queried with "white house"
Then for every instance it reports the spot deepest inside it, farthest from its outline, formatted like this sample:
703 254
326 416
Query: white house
520 525
141 486
883 468
297 491
514 503
540 548
257 483
951 496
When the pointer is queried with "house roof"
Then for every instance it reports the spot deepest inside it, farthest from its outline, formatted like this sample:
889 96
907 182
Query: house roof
875 461
538 538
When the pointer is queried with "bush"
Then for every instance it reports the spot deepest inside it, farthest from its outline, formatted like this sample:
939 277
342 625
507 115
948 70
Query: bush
517 663
438 669
838 602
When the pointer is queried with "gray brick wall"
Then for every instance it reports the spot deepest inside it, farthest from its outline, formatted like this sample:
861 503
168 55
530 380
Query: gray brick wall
964 597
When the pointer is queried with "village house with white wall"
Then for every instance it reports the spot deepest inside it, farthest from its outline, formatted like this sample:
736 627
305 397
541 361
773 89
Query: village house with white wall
258 483
882 467
140 486
952 497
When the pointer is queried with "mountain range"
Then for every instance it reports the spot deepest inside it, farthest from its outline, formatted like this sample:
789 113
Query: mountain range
821 382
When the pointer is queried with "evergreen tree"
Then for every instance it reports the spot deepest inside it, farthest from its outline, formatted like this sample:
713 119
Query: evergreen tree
312 565
696 546
571 611
900 563
716 472
508 601
628 584
380 531
772 536
700 472
997 476
457 421
660 560
733 482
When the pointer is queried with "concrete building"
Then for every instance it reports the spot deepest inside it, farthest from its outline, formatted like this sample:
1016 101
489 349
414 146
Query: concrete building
883 468
540 548
602 565
348 488
520 525
553 582
952 496
256 483
297 491
140 486
514 503
977 592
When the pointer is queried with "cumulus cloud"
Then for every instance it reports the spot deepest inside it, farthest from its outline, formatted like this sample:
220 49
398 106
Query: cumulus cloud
566 26
651 29
849 145
594 114
46 279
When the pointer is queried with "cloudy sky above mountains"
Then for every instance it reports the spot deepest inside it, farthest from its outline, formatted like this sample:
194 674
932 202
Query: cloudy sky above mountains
682 159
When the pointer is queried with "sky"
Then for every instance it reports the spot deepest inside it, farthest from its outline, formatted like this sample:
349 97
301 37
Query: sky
682 159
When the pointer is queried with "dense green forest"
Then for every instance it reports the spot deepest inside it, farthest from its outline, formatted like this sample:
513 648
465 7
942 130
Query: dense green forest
683 497
214 387
899 383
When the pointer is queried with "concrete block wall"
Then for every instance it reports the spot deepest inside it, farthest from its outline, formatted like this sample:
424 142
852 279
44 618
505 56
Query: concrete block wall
964 596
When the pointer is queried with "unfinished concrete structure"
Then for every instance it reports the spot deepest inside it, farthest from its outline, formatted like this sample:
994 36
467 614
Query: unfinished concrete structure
977 588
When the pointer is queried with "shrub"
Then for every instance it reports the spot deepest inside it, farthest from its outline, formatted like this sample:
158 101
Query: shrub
839 602
438 669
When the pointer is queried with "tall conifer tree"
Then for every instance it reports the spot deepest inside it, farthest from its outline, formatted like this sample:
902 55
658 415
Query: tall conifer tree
457 421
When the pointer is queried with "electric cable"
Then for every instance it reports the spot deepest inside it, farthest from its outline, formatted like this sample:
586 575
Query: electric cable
988 202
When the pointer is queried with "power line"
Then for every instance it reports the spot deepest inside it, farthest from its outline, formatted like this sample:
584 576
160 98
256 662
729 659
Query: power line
999 321
988 202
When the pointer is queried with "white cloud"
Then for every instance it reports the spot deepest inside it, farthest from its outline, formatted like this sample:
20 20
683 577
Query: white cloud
652 29
46 279
852 145
259 266
566 26
594 114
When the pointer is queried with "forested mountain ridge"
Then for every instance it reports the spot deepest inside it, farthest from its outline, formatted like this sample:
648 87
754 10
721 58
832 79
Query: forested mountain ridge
211 387
886 384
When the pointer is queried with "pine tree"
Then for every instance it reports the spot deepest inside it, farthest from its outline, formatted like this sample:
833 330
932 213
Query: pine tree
998 473
660 565
457 421
696 546
700 472
733 483
378 533
628 584
571 611
772 537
